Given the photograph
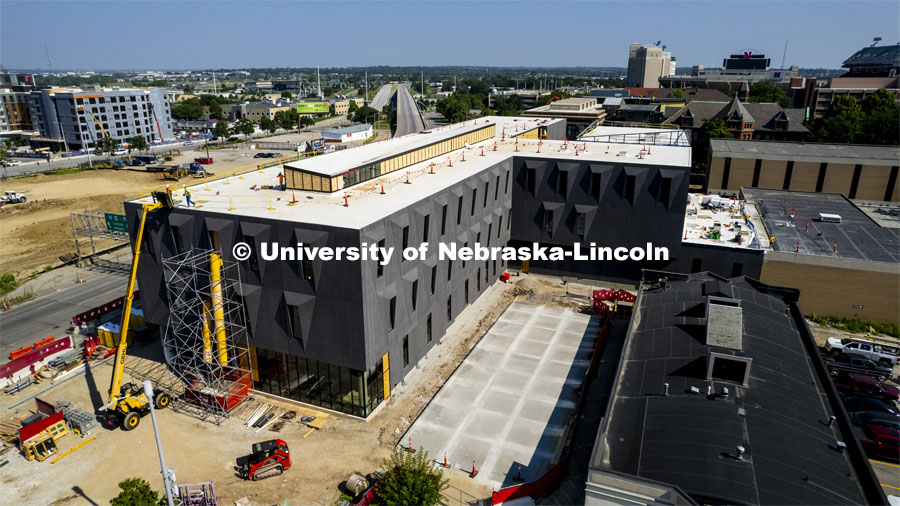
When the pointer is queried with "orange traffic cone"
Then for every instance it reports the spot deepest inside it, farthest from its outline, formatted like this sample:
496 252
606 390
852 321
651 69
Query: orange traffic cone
382 188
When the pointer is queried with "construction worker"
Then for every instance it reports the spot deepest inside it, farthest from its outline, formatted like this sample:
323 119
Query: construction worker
169 190
187 196
281 181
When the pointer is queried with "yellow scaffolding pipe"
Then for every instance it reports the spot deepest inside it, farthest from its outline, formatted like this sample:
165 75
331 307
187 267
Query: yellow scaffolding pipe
215 266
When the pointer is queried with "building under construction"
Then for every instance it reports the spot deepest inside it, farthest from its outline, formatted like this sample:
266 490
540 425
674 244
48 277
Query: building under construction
341 334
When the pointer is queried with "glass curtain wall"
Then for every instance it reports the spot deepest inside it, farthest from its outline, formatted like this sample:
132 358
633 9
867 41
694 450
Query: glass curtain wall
306 380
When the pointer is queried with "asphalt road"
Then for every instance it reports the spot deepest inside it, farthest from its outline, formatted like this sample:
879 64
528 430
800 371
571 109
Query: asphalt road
29 165
381 98
50 315
408 119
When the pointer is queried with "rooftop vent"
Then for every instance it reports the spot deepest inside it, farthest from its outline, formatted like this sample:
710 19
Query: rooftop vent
724 322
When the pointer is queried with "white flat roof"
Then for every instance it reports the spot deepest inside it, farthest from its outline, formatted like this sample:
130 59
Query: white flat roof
243 195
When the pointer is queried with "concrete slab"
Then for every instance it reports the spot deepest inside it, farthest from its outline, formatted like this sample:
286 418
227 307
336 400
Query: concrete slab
508 404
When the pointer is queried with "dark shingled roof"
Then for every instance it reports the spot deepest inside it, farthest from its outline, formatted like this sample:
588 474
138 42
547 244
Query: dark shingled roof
762 114
888 56
689 440
786 213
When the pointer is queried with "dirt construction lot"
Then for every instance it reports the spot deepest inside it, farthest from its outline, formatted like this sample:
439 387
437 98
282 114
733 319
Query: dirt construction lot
201 451
37 232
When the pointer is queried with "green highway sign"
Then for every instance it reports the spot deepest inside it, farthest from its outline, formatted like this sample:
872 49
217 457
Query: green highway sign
116 222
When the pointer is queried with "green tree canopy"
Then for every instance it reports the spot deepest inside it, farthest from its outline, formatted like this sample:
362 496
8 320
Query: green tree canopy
286 94
842 123
306 121
245 126
268 125
137 143
189 109
677 93
765 91
106 145
411 478
221 129
137 492
352 107
881 124
215 110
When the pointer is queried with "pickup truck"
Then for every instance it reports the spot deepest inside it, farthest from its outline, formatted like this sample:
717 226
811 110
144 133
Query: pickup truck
872 351
881 442
859 365
12 197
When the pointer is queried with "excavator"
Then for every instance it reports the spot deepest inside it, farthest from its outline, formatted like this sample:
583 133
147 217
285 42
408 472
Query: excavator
127 403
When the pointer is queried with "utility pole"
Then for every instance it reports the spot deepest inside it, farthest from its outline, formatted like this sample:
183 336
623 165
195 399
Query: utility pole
215 92
367 87
319 83
168 474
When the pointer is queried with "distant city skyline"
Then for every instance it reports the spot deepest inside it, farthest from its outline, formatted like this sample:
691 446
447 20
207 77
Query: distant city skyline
137 36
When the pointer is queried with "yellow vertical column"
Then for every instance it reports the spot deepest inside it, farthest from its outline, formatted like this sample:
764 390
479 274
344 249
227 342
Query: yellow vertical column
207 340
386 373
215 278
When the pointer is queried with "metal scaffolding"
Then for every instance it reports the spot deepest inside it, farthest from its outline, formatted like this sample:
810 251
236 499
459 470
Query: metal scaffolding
93 224
205 341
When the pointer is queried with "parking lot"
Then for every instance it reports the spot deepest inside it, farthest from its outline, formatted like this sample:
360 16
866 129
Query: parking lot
510 401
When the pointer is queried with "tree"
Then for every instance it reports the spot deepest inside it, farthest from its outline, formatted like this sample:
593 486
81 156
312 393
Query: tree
881 124
713 128
221 129
215 110
352 107
331 110
389 115
137 492
137 143
245 126
266 123
105 145
306 121
411 479
187 89
287 94
447 86
191 108
765 91
677 93
365 114
842 123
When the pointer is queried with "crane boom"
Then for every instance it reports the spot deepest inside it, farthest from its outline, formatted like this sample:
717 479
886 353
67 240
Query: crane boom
82 109
115 387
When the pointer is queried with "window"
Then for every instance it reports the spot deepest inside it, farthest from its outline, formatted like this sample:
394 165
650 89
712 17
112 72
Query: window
415 295
478 280
459 207
465 245
595 185
486 186
506 188
405 351
444 219
449 269
252 260
179 243
548 221
496 188
466 292
629 187
486 271
474 197
428 328
499 226
307 267
562 182
392 309
425 225
433 278
294 321
449 308
379 270
405 237
665 189
490 229
579 225
529 182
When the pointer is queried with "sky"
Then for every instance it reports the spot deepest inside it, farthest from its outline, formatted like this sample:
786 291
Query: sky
156 35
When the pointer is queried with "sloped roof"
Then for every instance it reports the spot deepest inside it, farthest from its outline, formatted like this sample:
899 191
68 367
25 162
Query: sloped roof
736 108
763 114
878 55
690 94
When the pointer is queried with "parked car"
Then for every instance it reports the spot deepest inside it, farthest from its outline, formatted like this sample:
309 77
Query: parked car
881 442
847 363
854 404
188 143
863 348
136 163
203 160
863 418
259 155
232 139
13 163
120 152
860 385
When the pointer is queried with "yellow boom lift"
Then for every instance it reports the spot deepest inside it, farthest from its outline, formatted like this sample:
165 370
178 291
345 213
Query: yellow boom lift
127 403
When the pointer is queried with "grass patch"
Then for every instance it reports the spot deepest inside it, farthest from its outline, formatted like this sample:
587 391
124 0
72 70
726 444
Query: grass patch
7 283
856 326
